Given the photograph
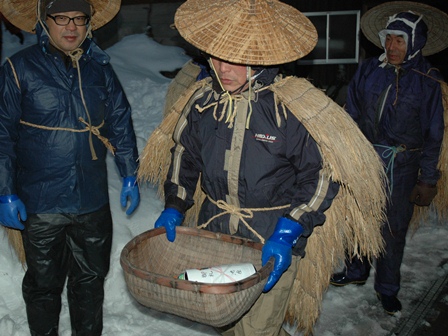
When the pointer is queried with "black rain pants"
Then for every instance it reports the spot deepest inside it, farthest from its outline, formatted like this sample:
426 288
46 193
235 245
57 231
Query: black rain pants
72 247
399 214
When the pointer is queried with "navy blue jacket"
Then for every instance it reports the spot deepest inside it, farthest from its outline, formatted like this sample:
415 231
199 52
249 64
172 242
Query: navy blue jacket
262 166
411 115
401 106
52 171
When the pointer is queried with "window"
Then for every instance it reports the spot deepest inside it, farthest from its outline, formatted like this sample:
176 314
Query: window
338 40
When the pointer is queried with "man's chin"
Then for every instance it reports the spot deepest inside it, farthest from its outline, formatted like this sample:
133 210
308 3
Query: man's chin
394 60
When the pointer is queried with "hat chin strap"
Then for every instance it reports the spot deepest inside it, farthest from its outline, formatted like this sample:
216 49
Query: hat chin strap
249 80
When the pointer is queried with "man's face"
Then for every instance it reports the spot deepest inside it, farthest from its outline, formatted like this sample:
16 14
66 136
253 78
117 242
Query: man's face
232 76
68 37
395 49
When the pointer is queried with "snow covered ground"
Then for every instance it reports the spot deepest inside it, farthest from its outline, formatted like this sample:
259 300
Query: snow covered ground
350 310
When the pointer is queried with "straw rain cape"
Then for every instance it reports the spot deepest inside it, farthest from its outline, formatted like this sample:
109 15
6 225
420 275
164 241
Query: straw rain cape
184 79
439 204
355 218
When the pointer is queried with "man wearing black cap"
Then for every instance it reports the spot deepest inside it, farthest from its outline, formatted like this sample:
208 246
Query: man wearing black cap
62 107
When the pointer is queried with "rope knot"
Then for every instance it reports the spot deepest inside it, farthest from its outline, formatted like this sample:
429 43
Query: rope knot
234 210
95 130
390 153
241 213
75 55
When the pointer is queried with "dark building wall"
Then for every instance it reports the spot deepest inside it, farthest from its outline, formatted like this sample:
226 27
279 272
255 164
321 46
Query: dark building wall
324 5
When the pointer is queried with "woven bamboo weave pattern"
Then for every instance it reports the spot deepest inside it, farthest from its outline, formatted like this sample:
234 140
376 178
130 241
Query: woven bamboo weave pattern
152 264
245 35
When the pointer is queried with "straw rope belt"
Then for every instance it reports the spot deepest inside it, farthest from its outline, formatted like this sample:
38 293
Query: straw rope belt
89 128
242 214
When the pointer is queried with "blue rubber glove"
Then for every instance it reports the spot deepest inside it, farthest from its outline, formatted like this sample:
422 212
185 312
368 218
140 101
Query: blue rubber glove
279 245
169 219
130 190
11 208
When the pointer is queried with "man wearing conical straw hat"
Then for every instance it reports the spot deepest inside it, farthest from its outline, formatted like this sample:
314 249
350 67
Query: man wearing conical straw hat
62 108
397 101
270 153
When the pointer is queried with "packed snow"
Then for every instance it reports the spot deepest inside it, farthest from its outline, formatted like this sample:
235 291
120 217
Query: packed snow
351 310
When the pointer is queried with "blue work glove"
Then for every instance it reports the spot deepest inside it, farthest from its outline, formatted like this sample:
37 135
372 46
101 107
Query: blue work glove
279 245
11 207
169 219
130 190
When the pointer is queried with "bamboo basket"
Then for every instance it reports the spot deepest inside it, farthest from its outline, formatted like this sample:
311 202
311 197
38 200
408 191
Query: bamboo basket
152 264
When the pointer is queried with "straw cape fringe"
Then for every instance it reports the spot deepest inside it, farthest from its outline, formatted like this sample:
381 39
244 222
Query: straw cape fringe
184 79
155 158
15 242
438 205
353 221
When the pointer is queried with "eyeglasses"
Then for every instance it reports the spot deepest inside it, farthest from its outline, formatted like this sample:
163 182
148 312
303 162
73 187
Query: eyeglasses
62 20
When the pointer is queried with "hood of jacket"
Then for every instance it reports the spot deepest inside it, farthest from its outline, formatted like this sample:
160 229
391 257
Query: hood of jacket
412 27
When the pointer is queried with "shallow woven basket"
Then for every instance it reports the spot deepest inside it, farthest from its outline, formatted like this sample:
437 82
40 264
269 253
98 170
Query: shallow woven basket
152 264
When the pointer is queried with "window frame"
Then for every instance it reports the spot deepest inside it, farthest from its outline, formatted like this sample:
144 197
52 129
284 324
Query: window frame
327 60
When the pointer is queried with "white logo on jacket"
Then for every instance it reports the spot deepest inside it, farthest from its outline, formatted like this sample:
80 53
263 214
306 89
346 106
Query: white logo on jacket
265 137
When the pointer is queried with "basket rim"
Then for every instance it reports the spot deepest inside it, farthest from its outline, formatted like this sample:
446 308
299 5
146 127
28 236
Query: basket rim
199 287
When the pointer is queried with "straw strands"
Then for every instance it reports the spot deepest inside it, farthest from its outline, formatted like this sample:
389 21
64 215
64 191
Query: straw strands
246 31
16 243
355 218
439 204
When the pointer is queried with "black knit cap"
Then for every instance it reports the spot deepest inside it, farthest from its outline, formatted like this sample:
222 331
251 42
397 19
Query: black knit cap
61 6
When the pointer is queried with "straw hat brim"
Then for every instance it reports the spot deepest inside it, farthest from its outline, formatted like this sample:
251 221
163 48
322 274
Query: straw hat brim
375 20
23 14
252 32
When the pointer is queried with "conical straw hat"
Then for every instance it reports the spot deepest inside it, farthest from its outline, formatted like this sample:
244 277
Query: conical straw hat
252 32
23 13
376 19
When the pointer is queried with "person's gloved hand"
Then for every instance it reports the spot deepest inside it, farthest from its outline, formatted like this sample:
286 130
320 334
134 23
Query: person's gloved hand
279 245
12 210
130 190
423 193
169 219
